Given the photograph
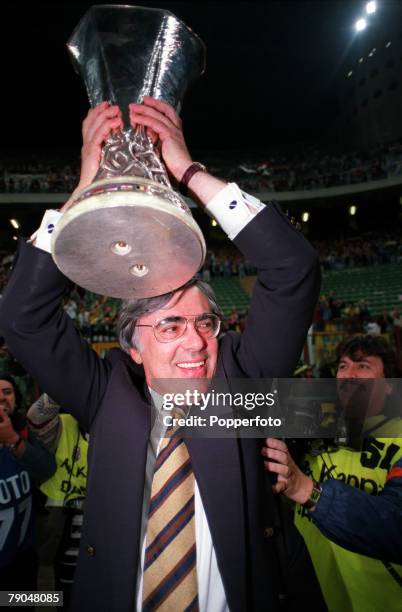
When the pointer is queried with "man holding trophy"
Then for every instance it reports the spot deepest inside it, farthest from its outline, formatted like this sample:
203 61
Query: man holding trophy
170 524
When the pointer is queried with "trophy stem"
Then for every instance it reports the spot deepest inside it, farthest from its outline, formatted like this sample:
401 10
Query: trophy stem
130 152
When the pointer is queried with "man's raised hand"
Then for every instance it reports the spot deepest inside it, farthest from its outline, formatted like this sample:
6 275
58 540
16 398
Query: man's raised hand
161 120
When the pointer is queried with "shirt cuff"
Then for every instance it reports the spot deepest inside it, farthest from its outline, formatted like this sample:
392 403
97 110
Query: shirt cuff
43 236
233 209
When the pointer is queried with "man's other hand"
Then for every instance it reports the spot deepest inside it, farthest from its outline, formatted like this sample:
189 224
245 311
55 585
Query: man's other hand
99 123
291 481
162 121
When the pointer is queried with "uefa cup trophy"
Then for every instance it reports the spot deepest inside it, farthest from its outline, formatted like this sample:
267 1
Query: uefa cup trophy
128 234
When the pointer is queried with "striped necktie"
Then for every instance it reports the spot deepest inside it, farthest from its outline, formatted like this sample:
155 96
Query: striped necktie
170 574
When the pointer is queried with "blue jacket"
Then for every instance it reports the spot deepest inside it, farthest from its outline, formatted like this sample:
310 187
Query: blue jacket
367 524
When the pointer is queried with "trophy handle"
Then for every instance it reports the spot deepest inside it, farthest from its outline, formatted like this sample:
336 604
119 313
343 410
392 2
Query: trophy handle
130 152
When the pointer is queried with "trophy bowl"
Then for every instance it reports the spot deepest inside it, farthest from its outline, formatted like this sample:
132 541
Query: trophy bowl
124 262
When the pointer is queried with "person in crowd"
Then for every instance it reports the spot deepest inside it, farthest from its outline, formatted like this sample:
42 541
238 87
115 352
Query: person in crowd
397 323
352 496
24 462
65 490
363 523
220 552
373 328
385 322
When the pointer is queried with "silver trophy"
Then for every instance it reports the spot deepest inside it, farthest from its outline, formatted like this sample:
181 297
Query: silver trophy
129 234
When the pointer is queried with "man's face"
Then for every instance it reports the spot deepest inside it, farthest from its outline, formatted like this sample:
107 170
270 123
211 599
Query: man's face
359 398
7 396
190 356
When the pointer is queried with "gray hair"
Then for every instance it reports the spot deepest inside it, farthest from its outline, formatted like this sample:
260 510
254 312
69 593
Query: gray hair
133 310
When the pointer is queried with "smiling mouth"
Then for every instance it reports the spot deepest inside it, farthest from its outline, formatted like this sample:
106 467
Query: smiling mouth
189 365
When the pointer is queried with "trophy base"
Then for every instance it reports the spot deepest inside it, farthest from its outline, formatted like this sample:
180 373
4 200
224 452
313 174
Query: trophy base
128 238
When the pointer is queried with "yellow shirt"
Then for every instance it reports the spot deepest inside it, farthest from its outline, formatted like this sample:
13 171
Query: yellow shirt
69 480
352 582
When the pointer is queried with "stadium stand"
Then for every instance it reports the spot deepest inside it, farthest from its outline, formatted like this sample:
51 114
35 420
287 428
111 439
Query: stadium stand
379 286
230 294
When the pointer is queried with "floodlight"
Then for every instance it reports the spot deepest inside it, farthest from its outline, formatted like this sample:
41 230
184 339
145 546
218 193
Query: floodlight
360 24
14 223
352 210
305 217
371 8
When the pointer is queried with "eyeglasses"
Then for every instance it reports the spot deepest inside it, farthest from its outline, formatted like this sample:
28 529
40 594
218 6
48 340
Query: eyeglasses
171 328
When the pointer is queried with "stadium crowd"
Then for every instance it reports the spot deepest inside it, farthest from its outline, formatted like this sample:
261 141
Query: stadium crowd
96 316
35 176
308 169
315 169
365 250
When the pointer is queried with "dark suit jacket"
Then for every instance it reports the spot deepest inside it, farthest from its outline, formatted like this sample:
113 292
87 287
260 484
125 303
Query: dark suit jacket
108 397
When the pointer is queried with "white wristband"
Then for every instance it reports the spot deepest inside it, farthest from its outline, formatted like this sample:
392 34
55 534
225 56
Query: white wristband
233 209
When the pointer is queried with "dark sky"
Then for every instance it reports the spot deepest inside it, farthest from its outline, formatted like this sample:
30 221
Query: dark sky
270 78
